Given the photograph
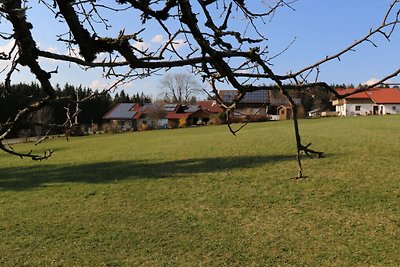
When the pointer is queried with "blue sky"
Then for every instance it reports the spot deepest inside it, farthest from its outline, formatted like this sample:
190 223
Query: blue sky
319 27
324 27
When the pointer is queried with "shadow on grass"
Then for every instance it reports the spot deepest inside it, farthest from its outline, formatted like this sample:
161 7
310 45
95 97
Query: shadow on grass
24 178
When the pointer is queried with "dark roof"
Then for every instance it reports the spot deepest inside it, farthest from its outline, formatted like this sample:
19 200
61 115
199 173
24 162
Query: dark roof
200 113
261 96
122 111
191 108
284 101
146 107
133 111
170 107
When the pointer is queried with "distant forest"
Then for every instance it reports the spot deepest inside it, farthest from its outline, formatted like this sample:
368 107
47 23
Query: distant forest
91 111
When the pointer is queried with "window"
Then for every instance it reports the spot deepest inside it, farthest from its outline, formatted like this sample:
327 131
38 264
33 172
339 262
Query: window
358 108
393 107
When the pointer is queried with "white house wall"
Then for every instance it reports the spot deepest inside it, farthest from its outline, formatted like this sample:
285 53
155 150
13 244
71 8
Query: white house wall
388 109
163 123
349 109
365 109
341 110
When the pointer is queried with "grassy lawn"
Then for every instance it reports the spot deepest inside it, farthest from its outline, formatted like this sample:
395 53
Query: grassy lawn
200 196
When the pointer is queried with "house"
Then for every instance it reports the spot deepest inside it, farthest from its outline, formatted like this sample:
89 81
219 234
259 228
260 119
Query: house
123 115
185 115
253 103
151 116
281 109
198 116
134 116
377 101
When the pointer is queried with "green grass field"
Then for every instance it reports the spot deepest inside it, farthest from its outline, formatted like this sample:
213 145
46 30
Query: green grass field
201 197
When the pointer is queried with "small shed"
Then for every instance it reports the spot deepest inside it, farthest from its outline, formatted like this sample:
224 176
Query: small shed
285 112
176 120
199 117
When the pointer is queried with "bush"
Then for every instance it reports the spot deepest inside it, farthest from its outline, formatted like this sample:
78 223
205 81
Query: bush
216 119
75 130
182 123
244 119
110 128
261 118
237 119
144 127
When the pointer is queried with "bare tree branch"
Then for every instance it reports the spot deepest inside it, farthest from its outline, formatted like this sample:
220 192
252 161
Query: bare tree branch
221 48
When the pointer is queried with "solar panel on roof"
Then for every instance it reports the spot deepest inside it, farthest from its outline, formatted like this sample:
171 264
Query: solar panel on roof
256 97
252 97
169 107
122 111
192 108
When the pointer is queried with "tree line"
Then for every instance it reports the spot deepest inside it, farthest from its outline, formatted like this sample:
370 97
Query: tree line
90 111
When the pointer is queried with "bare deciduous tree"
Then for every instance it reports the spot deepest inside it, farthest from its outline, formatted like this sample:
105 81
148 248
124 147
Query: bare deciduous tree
155 113
179 88
216 50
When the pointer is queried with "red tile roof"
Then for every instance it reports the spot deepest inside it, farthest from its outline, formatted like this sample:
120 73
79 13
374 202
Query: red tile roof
210 106
138 115
385 96
361 95
378 95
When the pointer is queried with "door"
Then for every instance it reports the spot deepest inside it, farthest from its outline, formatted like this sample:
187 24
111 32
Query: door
376 110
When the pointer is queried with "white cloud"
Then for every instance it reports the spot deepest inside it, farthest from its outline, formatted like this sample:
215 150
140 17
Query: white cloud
102 56
371 81
5 64
74 52
106 84
159 39
374 80
142 46
52 49
178 43
6 48
98 85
